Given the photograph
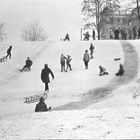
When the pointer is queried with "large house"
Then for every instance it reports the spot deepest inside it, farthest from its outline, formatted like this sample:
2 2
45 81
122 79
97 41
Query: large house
114 21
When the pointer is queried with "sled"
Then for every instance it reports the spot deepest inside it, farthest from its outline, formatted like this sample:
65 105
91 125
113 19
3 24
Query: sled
25 70
35 98
4 58
117 59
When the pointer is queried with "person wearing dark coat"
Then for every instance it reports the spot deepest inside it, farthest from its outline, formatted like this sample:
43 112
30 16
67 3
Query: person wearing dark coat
86 36
120 71
68 60
86 59
91 50
27 65
139 33
102 71
45 76
67 38
41 106
116 32
134 32
9 52
93 35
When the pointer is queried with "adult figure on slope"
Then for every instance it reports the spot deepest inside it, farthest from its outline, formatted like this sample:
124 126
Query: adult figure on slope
91 50
86 59
62 62
41 106
45 76
9 52
134 32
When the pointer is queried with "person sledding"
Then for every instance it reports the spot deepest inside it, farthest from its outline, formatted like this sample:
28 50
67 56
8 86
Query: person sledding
120 71
27 65
102 71
68 60
67 38
41 106
91 50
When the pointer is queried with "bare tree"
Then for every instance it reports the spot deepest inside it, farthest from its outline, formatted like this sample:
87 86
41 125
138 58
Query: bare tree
3 35
34 32
94 9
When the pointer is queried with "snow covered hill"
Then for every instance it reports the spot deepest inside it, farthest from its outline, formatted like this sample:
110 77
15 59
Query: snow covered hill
76 112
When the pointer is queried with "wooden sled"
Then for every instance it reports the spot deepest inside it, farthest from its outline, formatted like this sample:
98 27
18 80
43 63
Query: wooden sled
35 98
4 58
117 59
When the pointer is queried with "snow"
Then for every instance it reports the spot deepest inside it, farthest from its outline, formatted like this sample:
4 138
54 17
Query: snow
114 116
80 110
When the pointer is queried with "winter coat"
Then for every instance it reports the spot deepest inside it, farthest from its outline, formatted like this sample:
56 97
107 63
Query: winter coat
68 60
45 75
29 63
9 50
41 106
62 59
86 57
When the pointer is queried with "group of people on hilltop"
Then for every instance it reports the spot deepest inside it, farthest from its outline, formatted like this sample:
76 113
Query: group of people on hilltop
127 33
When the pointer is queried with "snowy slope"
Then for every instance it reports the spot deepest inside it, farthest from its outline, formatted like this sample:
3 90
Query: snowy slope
105 118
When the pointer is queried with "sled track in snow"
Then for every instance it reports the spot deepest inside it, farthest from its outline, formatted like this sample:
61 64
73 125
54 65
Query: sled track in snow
131 69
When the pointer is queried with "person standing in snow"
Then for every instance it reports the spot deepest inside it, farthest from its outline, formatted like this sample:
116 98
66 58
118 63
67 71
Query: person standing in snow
86 59
91 50
27 65
41 106
68 60
134 32
102 71
62 62
45 76
139 32
116 33
93 34
9 52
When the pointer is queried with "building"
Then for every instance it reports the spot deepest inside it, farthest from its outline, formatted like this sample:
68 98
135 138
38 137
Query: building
113 21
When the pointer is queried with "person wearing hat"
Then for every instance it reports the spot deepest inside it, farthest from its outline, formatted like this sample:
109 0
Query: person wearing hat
41 106
27 65
86 59
45 76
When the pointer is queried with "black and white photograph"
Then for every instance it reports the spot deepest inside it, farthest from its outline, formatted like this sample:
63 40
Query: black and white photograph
69 69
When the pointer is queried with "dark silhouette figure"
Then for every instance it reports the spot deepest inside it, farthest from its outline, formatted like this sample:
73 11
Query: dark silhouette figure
41 106
45 76
93 35
67 38
62 62
139 33
134 32
86 36
68 60
120 71
9 52
102 71
86 59
91 50
116 33
27 65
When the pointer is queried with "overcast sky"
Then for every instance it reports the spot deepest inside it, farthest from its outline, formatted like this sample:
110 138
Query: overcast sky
57 16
